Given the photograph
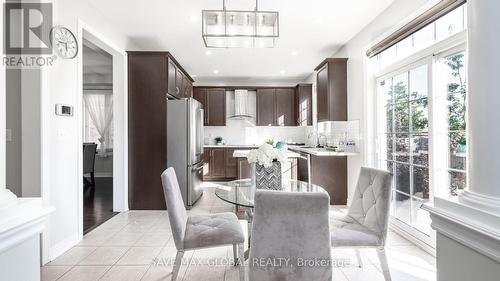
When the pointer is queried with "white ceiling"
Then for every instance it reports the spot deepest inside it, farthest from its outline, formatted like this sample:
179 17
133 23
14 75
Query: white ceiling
309 32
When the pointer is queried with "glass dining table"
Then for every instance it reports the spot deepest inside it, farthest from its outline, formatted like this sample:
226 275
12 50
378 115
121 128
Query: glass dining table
240 193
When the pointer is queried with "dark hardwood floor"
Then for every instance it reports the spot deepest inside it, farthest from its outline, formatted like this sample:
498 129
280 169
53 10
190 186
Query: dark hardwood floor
97 204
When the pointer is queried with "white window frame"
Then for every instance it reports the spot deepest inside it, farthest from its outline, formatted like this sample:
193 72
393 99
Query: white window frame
430 56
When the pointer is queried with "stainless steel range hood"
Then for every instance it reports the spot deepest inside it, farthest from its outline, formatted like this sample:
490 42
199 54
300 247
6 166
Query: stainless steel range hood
241 106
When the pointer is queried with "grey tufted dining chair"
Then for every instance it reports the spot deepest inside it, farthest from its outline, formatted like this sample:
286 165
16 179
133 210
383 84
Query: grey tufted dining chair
366 222
199 231
294 226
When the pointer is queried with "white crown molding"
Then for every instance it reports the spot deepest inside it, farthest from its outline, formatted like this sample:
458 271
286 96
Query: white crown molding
480 201
471 227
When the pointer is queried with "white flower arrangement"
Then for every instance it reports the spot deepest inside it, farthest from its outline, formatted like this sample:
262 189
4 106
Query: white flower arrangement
266 154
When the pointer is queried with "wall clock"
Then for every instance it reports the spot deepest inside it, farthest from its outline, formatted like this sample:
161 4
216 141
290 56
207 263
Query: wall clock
64 42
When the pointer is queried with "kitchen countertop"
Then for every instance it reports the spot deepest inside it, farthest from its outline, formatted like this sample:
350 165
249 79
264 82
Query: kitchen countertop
244 153
321 151
231 145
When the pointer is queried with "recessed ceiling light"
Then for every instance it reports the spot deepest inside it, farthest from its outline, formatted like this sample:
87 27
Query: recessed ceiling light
208 53
216 71
295 53
282 72
317 20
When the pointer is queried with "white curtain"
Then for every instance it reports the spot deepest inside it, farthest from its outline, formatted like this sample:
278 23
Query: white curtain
100 109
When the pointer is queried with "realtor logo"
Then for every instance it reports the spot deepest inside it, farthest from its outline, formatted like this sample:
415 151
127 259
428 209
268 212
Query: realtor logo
27 28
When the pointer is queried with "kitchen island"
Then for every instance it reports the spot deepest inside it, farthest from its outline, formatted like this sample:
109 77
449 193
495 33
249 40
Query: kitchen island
325 168
244 169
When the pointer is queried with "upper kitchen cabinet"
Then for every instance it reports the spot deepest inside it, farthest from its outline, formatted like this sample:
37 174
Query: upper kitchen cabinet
151 76
276 107
303 95
180 84
332 90
214 105
285 107
266 110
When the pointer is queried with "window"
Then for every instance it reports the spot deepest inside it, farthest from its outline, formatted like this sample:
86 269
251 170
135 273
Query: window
98 120
448 25
454 75
422 118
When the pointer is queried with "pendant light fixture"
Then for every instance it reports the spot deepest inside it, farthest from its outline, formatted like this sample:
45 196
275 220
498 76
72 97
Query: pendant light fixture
240 29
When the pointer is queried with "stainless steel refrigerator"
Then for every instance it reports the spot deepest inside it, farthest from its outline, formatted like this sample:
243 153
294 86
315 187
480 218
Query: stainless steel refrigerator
185 146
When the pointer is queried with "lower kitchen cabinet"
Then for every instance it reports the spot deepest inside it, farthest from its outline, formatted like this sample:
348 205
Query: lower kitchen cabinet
330 172
220 165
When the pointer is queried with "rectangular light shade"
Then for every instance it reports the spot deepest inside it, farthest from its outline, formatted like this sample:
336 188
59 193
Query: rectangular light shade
240 29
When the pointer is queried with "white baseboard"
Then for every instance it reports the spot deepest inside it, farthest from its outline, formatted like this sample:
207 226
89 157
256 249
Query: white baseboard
424 245
63 246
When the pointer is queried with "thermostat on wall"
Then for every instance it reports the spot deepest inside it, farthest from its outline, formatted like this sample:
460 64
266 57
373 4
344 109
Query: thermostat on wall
64 110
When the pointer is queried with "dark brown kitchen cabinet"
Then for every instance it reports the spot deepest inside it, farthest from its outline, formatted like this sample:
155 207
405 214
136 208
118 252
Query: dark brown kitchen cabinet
214 105
217 162
220 165
276 107
330 172
285 107
171 78
303 95
231 164
332 89
179 84
149 80
266 110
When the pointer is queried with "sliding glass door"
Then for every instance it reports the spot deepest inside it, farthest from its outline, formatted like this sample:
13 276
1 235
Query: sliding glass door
405 137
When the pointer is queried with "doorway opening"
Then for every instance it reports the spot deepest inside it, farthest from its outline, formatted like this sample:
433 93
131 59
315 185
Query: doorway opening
98 135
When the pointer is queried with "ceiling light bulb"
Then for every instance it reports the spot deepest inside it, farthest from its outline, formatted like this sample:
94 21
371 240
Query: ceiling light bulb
208 53
282 72
317 20
295 53
216 71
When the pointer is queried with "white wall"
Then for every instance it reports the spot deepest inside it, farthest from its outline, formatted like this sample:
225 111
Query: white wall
62 181
31 132
358 88
13 123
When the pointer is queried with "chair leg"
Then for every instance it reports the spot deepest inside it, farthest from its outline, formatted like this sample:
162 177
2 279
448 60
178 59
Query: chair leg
92 179
235 254
383 263
177 265
241 261
358 257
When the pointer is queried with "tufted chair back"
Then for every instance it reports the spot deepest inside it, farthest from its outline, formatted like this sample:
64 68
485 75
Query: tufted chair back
371 200
177 214
294 226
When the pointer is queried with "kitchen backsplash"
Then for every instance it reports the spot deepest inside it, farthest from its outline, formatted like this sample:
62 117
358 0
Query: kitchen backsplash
242 132
341 131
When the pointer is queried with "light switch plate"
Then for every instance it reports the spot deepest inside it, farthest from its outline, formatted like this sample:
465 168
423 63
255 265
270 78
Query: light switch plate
8 135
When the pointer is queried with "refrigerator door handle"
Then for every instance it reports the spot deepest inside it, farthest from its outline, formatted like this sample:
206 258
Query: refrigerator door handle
198 167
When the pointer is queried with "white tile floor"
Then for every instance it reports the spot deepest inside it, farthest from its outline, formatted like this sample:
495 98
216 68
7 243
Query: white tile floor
124 248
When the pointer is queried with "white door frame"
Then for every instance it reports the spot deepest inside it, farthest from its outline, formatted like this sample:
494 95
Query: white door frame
120 117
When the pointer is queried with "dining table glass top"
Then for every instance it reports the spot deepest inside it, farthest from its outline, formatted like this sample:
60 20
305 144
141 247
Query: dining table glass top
241 192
